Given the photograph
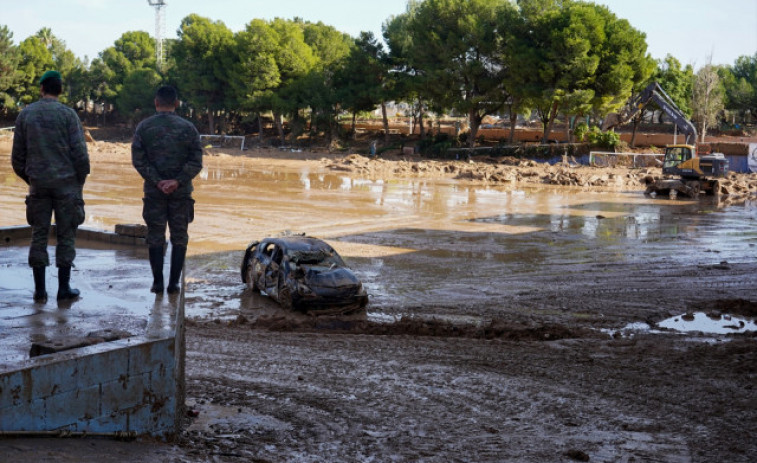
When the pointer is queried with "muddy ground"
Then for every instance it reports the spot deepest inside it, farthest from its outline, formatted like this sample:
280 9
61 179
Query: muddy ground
555 359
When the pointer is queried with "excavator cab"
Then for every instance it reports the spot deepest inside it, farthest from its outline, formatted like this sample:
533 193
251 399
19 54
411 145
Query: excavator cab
674 156
682 160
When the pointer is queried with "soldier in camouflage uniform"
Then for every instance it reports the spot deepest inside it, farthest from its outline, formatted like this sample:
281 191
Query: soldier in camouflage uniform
50 155
167 153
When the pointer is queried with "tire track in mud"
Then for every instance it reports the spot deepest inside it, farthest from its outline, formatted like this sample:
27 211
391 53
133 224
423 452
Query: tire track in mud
357 398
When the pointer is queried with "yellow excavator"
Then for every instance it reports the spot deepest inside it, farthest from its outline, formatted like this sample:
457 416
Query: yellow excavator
696 172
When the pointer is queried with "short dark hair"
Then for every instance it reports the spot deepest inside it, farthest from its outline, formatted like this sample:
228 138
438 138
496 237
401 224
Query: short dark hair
52 86
166 96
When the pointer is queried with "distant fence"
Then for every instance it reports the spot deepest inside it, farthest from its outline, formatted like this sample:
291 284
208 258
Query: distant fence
608 159
10 129
224 141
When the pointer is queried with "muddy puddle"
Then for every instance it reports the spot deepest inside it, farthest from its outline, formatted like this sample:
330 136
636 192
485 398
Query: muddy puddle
435 248
709 323
692 323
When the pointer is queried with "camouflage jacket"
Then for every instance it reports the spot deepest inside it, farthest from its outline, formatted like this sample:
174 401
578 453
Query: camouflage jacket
167 147
48 145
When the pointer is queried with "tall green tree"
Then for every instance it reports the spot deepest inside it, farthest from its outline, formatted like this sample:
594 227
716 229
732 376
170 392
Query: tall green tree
102 87
254 74
677 82
405 80
203 60
739 94
331 48
511 51
35 59
740 82
559 49
454 46
575 57
137 94
294 59
360 81
9 75
132 52
72 69
624 66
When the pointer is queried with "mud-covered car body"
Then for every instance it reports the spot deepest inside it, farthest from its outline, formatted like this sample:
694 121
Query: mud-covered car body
302 273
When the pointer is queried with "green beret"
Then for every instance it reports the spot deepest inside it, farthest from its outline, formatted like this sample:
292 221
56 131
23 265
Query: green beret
48 75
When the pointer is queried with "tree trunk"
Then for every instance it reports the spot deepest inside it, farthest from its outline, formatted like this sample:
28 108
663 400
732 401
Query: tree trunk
334 124
211 123
222 122
636 122
550 122
279 126
354 123
260 127
386 122
475 121
513 122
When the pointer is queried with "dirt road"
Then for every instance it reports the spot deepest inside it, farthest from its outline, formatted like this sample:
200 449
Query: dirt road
515 323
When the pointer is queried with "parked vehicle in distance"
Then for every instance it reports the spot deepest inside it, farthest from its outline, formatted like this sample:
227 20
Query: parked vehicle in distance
302 273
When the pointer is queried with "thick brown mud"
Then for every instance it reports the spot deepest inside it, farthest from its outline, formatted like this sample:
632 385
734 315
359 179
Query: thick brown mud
508 320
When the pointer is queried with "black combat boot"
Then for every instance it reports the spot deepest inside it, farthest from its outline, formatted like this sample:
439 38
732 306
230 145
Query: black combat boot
40 294
156 263
177 264
64 290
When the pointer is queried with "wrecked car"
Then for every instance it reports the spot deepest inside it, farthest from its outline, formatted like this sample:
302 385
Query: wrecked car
302 273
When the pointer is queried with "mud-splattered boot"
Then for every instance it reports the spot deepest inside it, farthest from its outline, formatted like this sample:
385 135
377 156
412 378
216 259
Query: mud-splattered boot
178 253
65 291
156 264
40 293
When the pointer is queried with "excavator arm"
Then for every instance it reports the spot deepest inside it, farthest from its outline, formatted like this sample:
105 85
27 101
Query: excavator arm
653 92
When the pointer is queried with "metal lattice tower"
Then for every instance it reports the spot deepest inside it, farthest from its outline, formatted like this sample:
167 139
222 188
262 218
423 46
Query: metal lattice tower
160 25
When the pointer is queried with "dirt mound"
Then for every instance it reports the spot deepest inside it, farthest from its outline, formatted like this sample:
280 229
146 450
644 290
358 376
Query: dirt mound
407 326
513 171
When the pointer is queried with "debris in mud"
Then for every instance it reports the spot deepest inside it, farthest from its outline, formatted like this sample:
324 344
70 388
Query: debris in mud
510 170
496 329
137 230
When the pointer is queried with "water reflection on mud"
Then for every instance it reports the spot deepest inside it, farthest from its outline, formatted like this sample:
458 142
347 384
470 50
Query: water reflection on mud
709 323
418 240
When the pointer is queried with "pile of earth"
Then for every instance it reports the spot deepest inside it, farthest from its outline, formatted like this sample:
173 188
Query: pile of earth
523 172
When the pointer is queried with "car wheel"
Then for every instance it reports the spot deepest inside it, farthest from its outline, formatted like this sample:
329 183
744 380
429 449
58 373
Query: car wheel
285 297
243 270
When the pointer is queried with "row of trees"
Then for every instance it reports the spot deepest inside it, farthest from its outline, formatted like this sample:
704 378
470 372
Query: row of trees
471 57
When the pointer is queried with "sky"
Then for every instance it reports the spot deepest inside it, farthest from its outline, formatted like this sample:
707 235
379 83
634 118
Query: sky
694 31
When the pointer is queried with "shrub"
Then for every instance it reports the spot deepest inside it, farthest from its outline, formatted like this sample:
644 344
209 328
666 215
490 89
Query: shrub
607 140
580 132
437 145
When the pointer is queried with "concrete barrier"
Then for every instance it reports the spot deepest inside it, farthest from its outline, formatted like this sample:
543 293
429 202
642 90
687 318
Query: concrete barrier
123 388
126 387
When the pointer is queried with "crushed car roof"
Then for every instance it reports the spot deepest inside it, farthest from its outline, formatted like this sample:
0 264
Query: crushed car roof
299 243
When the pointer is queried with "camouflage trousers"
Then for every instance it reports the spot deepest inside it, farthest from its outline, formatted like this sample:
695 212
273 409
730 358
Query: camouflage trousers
160 210
67 204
